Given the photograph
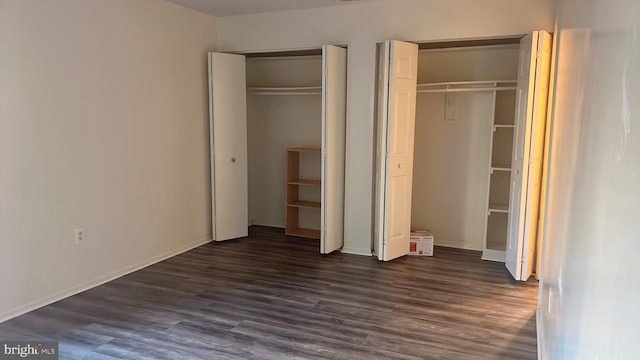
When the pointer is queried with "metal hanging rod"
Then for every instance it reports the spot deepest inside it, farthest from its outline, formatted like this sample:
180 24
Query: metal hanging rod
299 90
502 88
286 93
462 86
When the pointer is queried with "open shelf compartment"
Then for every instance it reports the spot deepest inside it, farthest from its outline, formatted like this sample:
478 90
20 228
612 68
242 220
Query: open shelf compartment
303 194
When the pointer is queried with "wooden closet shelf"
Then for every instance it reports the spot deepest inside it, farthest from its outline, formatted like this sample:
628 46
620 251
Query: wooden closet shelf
306 233
304 204
304 149
306 182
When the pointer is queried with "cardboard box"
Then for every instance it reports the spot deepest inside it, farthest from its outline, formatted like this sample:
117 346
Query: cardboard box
421 243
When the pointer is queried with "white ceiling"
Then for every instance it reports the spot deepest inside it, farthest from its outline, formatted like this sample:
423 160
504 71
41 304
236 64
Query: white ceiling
238 7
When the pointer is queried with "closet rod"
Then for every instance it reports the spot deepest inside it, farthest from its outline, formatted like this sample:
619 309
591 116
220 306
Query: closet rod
286 93
471 83
467 89
258 88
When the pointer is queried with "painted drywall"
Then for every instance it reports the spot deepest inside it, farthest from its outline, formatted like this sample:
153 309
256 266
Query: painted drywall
360 27
479 63
276 123
452 157
103 126
589 290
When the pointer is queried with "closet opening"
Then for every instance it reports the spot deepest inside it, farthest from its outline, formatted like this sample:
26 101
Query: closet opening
294 108
465 106
463 159
284 137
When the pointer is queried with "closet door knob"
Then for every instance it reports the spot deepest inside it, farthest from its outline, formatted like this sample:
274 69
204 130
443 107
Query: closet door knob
233 160
399 166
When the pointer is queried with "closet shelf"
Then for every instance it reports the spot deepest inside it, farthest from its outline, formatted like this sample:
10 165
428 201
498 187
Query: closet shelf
303 149
501 208
304 182
304 204
501 167
462 86
297 90
302 232
295 205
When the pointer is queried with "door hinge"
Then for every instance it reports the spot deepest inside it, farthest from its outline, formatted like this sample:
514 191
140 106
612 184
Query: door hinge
538 54
213 149
325 71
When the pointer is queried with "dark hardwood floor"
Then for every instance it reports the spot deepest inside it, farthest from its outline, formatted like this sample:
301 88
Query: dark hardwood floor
275 297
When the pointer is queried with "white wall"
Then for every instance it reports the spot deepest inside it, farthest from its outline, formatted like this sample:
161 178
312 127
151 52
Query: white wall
589 287
361 26
103 125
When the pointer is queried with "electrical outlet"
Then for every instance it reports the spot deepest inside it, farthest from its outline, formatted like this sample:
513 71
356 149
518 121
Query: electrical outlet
80 236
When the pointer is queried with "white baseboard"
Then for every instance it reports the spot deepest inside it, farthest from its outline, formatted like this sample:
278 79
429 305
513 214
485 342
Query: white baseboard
97 281
357 251
456 245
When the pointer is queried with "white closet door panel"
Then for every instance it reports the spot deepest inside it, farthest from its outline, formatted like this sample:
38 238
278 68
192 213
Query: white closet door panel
526 167
536 153
401 110
384 58
334 112
524 102
228 126
545 162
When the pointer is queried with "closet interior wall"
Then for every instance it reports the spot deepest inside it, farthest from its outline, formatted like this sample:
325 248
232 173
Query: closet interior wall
452 157
276 122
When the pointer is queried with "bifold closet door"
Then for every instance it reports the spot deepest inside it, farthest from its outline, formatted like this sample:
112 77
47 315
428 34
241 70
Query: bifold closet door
528 150
334 112
228 131
396 126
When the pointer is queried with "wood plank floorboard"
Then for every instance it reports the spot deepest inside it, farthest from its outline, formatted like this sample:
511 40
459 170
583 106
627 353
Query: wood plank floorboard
269 296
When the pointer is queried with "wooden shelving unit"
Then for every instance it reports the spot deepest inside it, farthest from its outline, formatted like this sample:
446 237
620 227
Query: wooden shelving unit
295 205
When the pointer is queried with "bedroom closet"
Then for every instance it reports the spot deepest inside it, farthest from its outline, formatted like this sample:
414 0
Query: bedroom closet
456 168
277 125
